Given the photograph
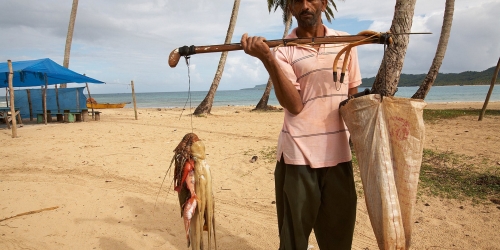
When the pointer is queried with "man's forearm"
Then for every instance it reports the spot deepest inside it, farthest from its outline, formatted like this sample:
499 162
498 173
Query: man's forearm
286 93
352 91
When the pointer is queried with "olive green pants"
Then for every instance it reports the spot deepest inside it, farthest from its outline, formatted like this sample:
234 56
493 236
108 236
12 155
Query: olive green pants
323 199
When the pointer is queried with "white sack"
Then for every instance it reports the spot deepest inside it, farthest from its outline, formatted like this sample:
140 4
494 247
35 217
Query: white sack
388 138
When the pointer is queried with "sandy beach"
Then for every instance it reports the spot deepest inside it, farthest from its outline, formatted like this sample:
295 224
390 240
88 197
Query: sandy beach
99 182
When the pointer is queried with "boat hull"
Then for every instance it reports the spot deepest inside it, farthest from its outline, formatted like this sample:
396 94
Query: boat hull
106 105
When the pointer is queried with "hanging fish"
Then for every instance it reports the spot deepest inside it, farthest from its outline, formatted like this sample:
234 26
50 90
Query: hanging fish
193 184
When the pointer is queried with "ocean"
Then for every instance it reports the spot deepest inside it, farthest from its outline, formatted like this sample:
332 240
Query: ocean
250 97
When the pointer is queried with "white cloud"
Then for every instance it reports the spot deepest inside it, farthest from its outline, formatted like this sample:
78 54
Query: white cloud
120 41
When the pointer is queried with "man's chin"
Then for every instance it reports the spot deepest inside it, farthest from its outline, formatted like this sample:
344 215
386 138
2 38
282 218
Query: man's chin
307 23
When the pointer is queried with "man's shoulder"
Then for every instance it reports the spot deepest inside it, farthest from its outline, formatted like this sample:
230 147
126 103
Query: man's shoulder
332 32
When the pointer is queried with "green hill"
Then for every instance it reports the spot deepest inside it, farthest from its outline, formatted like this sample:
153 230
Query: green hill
464 78
261 86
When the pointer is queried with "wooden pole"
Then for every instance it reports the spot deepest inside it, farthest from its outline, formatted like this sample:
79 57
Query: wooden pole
91 103
493 80
45 100
77 100
28 93
133 99
175 55
12 107
57 100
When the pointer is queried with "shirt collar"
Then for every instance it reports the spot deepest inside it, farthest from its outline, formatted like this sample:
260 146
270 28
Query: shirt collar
328 32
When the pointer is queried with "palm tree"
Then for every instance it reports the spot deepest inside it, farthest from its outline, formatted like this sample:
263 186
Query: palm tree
262 105
69 36
389 72
287 20
206 105
440 51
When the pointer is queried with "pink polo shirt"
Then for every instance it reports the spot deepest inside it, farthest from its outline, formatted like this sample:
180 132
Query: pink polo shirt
317 136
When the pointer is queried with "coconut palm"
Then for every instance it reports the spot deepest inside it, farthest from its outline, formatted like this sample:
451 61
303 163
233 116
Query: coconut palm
440 51
389 72
69 36
287 20
206 105
388 75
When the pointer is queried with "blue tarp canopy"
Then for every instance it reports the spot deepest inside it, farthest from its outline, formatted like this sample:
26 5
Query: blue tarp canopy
32 73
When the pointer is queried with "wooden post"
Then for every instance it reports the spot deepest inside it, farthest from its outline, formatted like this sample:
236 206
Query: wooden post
57 100
30 104
91 103
77 100
493 80
133 99
45 100
12 107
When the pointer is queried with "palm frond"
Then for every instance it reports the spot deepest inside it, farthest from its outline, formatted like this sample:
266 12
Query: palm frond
283 5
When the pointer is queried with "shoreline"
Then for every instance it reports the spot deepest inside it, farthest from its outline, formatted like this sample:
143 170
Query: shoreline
430 105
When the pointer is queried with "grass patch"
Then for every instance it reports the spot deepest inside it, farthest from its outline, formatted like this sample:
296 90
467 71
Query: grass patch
449 175
431 115
268 108
269 154
442 174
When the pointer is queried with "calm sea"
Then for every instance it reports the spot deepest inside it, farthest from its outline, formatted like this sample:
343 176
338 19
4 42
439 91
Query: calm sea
252 97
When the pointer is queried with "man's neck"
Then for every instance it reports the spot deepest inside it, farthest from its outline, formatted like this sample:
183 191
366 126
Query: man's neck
315 31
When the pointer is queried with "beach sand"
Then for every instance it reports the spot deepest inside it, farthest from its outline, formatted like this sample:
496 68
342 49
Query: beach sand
104 177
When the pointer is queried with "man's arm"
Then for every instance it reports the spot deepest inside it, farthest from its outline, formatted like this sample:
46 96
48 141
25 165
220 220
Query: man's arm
352 91
286 93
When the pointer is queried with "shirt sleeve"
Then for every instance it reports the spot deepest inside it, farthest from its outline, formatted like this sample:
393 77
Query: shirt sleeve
285 65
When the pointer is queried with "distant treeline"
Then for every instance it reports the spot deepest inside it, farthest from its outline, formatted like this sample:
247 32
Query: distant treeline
464 78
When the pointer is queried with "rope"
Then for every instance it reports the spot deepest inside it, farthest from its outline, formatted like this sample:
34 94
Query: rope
187 57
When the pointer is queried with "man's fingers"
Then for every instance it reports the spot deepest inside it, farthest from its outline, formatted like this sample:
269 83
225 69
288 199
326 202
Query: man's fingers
244 40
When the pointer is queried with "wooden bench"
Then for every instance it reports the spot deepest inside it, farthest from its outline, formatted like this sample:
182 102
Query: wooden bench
39 116
66 116
7 117
97 115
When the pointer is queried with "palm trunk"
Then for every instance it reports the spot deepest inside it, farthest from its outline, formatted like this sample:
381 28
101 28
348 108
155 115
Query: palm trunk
206 105
387 78
69 37
262 105
440 52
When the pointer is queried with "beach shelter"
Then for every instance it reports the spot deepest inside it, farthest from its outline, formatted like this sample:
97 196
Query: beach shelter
33 72
41 72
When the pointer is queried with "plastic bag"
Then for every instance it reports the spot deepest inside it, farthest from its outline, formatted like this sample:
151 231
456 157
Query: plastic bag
388 138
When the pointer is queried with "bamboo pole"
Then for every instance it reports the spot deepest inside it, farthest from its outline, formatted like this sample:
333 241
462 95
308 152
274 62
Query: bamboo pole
133 99
493 80
12 106
91 103
45 100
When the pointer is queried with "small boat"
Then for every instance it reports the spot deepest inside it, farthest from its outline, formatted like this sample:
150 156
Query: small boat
91 103
106 105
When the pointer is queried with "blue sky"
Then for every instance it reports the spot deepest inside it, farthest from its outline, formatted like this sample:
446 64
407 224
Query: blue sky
120 41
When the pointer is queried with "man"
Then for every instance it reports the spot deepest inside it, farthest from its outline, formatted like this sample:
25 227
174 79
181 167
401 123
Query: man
313 176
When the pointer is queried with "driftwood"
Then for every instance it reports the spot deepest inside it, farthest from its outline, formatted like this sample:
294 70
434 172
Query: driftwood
30 212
